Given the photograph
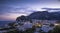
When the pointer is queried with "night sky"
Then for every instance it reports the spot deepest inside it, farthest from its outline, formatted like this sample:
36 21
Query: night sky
11 9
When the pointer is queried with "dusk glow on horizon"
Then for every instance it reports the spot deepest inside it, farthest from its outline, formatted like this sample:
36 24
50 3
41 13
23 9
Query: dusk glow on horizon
11 9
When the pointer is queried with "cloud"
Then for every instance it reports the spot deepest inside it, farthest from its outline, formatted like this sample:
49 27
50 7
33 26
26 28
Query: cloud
24 7
5 9
14 10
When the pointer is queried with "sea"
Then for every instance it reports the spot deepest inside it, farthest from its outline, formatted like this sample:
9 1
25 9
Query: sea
3 23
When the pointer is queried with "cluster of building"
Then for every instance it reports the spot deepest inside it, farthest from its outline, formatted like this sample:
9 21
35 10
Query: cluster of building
23 25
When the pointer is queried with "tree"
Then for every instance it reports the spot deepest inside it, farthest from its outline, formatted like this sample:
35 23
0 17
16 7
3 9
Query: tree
51 25
12 25
30 30
13 31
23 18
55 30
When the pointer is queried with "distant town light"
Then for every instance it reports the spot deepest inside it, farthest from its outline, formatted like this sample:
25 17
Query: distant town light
38 25
56 24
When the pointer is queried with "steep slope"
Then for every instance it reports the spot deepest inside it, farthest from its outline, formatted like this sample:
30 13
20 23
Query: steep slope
45 15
